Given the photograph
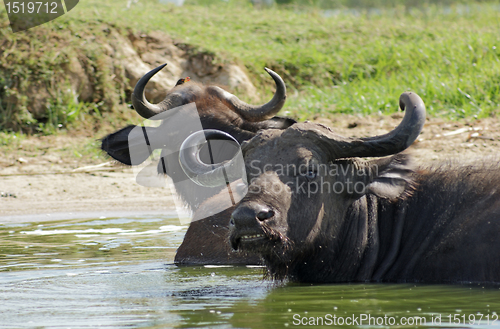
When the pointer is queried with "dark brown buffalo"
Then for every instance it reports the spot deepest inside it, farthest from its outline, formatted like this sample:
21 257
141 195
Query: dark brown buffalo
335 217
217 109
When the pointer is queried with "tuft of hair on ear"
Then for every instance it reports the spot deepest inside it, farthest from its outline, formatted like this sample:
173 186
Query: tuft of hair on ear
116 145
409 166
395 178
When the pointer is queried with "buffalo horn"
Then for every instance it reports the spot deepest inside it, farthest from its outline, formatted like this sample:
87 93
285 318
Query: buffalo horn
209 175
393 142
251 112
139 101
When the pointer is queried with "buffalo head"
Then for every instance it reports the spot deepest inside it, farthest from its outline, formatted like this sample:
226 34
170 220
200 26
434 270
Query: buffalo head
216 109
306 186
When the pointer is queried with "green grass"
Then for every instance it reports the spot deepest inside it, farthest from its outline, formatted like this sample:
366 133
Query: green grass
10 141
35 93
345 63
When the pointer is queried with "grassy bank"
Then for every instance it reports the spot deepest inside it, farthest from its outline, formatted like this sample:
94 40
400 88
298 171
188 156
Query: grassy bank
348 62
332 61
36 68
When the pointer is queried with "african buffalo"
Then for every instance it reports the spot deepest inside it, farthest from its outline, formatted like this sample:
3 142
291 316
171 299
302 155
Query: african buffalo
317 212
217 109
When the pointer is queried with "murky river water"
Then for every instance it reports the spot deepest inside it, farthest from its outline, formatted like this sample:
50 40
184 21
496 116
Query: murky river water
118 273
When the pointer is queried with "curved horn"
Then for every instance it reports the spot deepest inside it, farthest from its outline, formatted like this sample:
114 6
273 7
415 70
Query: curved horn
393 142
254 113
209 175
139 101
398 139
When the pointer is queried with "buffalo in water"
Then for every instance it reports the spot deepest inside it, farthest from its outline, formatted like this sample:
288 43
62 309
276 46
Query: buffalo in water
217 109
316 211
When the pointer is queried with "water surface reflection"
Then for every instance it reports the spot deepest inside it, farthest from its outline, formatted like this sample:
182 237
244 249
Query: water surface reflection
118 272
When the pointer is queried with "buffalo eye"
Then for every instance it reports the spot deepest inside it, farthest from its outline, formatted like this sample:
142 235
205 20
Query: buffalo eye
310 173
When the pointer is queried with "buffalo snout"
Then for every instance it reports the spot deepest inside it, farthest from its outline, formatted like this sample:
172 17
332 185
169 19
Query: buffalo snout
248 215
247 224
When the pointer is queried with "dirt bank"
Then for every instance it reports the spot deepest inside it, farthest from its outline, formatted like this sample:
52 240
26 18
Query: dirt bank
41 178
45 176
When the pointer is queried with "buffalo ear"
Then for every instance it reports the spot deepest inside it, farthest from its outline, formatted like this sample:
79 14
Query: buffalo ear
274 123
118 145
391 176
280 123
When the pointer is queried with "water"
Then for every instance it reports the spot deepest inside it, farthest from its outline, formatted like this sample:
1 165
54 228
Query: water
118 273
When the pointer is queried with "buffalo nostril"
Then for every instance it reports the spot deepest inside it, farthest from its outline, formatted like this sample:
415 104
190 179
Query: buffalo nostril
263 215
231 221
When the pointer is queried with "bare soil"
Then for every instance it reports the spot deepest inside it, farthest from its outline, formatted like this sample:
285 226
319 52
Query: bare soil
42 179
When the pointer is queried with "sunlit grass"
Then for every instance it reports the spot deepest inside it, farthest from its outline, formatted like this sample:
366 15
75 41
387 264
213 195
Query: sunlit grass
332 61
349 63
